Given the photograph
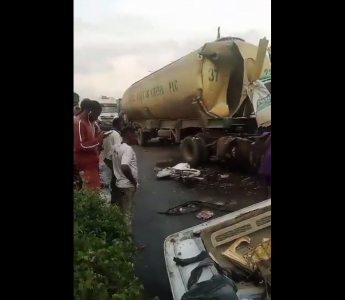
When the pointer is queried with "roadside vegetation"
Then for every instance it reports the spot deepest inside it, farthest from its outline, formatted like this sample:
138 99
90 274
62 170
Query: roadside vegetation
103 252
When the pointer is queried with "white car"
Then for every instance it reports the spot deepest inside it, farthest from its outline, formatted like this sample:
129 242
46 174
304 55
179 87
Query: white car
214 238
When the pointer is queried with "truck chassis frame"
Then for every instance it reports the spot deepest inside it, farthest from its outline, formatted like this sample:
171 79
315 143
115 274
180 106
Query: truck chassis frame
235 140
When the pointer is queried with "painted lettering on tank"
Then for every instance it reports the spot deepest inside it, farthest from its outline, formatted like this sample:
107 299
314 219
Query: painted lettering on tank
212 74
143 95
157 91
263 103
140 96
173 86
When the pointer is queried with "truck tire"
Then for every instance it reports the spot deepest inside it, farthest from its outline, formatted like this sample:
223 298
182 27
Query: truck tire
205 152
193 151
143 137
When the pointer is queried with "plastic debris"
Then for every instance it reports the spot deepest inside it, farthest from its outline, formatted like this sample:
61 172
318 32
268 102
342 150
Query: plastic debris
181 170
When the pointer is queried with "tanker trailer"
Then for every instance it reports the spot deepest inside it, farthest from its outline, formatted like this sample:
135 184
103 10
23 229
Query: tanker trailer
200 99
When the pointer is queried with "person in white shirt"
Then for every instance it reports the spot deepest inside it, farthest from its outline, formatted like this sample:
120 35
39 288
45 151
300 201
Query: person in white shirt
113 139
126 172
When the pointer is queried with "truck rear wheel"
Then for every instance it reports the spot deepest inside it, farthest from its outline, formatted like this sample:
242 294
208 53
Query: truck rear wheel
205 152
193 151
143 137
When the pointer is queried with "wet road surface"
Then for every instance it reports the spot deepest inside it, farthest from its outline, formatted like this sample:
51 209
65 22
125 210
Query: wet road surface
151 229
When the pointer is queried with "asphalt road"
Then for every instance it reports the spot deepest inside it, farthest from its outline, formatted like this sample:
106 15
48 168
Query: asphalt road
155 195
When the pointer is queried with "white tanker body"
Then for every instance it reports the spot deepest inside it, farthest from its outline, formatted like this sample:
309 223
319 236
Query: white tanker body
204 90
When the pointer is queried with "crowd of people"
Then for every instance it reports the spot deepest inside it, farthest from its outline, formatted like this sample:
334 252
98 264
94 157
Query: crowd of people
119 156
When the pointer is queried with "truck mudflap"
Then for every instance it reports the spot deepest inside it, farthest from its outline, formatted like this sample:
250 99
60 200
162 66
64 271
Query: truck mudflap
187 243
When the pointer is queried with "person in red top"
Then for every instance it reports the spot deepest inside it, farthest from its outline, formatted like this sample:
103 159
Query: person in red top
86 143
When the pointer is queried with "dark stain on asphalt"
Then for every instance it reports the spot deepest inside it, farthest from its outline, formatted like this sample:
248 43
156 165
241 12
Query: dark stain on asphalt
151 229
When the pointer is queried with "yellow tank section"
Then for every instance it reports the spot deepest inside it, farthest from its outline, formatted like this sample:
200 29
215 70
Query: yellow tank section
170 92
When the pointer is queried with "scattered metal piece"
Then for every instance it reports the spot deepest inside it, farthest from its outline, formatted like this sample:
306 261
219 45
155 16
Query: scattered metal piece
194 206
224 176
180 171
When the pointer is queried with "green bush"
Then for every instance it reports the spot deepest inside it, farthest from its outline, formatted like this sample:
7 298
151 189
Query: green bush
103 252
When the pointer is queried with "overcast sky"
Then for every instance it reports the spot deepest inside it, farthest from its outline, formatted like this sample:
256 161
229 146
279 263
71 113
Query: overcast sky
117 42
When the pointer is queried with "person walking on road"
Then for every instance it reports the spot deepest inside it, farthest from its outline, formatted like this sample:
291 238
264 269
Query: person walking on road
126 172
113 139
85 144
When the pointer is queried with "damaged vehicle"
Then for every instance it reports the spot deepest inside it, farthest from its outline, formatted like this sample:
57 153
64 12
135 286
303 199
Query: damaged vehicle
225 258
212 101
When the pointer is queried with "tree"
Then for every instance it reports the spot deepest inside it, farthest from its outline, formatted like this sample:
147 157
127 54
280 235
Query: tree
75 99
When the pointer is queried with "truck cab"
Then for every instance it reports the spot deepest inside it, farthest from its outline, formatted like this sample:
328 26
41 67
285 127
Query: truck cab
109 112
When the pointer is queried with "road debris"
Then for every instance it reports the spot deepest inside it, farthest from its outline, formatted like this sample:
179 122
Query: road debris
245 179
194 206
179 171
224 176
204 215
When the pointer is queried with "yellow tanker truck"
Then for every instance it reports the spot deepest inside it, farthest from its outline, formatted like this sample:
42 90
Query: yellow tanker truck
202 101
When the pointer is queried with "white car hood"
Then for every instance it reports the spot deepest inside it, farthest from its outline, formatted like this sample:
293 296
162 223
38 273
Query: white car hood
184 244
